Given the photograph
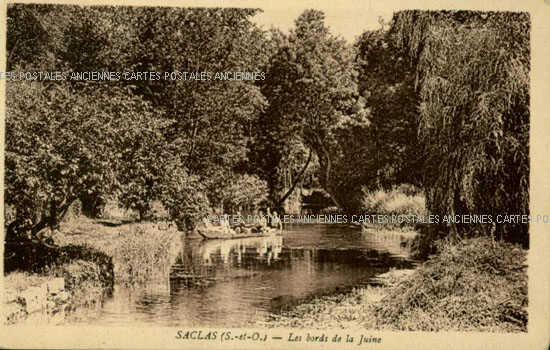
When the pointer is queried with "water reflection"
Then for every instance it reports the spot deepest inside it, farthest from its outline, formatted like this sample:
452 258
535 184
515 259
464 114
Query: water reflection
259 248
235 282
394 242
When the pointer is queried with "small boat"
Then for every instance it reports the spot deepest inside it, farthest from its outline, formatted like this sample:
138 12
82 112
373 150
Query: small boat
217 234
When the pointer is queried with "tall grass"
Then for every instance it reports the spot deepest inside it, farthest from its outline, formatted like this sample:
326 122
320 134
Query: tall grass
400 200
141 252
472 285
144 253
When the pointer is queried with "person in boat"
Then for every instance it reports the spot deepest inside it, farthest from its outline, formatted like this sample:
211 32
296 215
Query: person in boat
271 218
239 224
224 224
276 221
206 222
260 224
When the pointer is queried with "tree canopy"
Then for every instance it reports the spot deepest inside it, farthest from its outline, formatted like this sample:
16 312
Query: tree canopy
435 99
312 92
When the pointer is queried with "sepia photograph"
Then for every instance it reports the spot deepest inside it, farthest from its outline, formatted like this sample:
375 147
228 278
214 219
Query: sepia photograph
183 176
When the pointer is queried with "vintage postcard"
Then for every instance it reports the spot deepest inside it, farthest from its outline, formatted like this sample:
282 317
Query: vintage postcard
275 174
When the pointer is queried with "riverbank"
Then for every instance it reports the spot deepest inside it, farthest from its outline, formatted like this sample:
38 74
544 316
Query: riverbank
92 256
141 251
477 285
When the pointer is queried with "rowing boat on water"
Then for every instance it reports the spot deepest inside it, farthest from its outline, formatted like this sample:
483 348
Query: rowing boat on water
216 234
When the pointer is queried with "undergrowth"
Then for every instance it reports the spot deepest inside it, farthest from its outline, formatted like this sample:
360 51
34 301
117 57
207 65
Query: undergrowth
403 200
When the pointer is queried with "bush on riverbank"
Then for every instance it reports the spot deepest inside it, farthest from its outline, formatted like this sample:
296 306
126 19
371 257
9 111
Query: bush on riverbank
27 256
476 285
400 200
135 252
91 257
85 274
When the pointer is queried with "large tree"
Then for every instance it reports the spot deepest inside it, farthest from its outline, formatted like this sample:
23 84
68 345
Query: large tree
472 70
62 144
202 129
212 119
311 87
71 39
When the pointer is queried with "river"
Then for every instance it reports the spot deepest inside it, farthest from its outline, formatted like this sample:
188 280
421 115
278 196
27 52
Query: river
236 282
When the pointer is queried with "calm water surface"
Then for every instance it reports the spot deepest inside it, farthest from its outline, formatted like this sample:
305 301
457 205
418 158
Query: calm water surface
236 282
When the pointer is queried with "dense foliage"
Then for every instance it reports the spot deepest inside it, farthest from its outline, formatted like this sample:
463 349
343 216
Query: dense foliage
473 77
388 151
311 88
435 99
179 142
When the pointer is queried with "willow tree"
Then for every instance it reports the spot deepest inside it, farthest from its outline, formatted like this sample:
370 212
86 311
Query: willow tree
473 77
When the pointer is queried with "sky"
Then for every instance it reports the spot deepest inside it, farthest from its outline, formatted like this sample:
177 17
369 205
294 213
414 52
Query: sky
343 21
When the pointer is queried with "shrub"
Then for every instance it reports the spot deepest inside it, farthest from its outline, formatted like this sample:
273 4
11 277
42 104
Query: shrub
401 200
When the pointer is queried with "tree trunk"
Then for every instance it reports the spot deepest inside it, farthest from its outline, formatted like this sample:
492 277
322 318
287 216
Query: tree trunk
328 186
53 214
296 182
326 174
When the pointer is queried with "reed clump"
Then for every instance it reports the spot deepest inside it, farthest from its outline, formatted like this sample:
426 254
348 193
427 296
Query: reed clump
144 253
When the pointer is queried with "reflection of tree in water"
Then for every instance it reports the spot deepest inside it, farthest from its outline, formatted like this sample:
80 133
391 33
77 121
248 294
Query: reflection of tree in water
206 262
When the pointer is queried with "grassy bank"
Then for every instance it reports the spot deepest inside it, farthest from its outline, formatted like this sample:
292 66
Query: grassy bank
92 256
141 252
476 285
